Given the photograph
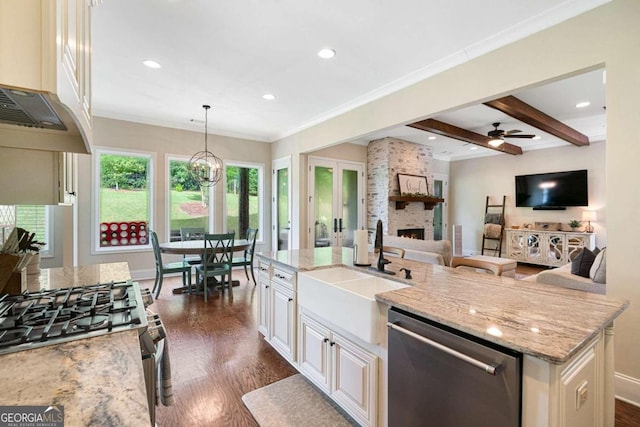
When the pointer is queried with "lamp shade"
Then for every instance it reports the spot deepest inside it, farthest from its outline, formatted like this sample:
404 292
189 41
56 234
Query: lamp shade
589 216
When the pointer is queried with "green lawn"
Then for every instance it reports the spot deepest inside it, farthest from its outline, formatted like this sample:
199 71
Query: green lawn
125 205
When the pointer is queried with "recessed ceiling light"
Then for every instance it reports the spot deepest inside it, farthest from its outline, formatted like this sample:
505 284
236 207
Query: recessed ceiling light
537 137
473 148
268 96
151 64
327 53
583 104
431 138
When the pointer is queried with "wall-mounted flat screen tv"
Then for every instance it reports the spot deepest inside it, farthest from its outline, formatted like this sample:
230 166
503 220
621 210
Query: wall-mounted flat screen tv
554 190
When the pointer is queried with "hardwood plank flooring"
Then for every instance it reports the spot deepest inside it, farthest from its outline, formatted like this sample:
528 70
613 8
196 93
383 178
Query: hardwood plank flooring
217 355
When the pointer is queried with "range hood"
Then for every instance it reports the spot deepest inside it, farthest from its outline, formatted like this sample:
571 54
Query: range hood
38 120
30 109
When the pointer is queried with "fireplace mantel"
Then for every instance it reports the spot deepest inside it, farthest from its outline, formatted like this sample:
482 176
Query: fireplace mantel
429 202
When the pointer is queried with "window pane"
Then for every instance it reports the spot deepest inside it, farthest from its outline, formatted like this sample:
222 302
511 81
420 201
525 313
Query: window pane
33 218
242 194
124 199
189 203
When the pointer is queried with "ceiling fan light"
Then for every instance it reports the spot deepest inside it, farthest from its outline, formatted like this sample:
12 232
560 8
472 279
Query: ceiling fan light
496 142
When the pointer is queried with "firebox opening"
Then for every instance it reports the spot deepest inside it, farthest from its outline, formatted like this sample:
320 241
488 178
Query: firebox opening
412 233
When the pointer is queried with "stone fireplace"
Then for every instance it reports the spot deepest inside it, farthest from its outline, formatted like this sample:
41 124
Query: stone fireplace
385 159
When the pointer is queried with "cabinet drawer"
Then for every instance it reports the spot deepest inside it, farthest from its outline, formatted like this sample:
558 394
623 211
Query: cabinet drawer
284 277
264 267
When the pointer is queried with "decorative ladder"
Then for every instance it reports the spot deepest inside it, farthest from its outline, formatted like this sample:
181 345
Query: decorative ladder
493 214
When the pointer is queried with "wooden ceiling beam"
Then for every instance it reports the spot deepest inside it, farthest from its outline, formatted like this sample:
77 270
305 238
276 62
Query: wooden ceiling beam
451 131
524 112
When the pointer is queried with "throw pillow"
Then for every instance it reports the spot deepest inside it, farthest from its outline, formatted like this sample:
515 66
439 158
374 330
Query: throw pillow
492 231
581 264
598 271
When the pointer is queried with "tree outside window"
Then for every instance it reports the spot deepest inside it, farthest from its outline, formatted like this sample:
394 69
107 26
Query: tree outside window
188 201
243 193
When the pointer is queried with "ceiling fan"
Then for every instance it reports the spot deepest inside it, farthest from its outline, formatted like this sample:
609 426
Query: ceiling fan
497 135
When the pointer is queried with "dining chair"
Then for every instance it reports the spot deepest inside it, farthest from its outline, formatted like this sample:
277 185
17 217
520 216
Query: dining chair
191 233
247 259
217 256
168 268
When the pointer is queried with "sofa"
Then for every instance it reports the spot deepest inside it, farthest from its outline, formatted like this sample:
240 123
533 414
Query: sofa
437 252
563 277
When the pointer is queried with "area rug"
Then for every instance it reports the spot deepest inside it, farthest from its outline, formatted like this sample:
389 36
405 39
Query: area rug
295 402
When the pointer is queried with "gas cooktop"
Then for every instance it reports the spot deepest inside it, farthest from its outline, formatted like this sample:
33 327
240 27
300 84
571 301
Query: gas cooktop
31 320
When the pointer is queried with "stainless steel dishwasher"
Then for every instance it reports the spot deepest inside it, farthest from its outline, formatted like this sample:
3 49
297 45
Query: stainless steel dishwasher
442 377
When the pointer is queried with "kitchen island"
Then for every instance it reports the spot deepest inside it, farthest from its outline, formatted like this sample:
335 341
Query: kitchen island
98 380
553 328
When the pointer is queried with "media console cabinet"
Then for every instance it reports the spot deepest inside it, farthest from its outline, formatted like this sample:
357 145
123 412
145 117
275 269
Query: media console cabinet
551 248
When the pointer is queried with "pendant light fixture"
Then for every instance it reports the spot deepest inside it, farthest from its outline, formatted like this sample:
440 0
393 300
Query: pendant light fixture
204 166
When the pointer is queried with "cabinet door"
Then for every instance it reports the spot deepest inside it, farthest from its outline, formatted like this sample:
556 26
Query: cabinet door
354 379
555 247
264 304
516 246
535 247
282 320
575 245
313 355
67 182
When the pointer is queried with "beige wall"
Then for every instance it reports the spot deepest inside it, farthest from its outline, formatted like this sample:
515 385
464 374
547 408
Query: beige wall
472 180
162 142
608 35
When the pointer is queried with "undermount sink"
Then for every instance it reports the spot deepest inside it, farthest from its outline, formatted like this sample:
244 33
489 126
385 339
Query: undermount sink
346 298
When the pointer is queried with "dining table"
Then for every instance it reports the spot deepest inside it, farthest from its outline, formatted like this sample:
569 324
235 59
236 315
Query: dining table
196 247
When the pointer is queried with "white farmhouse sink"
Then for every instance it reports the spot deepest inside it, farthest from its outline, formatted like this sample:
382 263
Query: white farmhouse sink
346 298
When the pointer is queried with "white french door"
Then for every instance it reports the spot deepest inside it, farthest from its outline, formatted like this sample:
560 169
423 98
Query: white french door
336 201
281 204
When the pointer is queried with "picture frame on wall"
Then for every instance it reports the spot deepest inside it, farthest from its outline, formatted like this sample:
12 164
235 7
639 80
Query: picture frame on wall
412 184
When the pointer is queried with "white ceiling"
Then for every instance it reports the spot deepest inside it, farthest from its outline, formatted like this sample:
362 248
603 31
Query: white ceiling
229 53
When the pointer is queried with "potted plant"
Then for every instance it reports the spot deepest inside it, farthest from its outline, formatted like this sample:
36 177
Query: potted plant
574 223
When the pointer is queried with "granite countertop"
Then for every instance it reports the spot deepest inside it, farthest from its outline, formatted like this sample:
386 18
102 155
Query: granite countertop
544 321
66 277
98 380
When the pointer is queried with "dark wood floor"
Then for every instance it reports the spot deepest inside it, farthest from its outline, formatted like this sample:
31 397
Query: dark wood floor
217 355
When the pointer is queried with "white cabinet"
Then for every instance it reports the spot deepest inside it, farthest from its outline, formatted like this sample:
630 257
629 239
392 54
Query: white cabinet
277 308
67 178
344 370
283 324
36 177
572 394
552 248
264 284
47 50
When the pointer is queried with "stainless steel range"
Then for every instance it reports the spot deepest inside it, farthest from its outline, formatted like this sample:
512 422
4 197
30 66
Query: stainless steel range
47 317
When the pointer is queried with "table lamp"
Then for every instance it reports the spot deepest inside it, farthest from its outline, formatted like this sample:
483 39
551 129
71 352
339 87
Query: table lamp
589 216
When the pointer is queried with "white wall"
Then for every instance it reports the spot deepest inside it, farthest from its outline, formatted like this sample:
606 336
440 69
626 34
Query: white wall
471 181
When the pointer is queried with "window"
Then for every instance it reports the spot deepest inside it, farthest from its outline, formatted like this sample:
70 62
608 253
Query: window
243 198
123 199
188 203
33 218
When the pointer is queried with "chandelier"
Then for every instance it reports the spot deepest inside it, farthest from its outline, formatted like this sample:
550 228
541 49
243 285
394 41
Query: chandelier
204 166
